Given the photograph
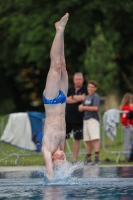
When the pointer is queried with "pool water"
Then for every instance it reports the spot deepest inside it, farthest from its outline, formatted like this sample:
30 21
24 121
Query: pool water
80 182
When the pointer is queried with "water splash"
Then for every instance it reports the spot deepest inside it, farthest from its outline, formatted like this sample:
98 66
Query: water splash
65 174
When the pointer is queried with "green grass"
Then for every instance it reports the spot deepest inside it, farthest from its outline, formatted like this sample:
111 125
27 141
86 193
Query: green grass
34 158
26 157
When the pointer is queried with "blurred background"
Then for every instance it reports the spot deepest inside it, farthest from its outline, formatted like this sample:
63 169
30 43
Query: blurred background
98 43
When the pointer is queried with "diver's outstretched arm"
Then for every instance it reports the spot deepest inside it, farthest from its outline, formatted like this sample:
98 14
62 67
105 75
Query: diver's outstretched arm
48 162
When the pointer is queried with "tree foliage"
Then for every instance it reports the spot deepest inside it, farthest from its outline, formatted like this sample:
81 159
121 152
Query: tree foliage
100 63
27 31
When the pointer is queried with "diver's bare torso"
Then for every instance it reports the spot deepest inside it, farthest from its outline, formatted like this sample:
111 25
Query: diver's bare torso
54 130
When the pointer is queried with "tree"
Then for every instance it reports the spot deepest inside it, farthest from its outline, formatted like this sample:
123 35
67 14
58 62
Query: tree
100 62
27 30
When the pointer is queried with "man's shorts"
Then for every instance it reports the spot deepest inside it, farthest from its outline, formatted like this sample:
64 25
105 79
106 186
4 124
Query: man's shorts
77 131
91 129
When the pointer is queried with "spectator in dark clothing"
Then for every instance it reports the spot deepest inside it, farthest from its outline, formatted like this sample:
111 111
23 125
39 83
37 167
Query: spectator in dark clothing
74 118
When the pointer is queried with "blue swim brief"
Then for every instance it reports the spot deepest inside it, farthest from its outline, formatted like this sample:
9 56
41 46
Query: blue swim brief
60 99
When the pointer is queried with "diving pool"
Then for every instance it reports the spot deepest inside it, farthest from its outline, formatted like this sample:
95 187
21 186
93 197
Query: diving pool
80 182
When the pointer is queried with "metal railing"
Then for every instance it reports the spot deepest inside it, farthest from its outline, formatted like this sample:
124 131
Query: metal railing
114 146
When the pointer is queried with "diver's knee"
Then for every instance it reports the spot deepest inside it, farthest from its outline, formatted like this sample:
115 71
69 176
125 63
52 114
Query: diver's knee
56 63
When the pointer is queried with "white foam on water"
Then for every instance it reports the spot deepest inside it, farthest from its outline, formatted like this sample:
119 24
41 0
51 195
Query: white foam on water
63 175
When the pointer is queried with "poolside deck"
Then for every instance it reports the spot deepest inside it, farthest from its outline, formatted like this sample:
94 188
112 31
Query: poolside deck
32 168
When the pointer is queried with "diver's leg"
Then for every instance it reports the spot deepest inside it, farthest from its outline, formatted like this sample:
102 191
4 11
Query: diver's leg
64 88
53 79
64 75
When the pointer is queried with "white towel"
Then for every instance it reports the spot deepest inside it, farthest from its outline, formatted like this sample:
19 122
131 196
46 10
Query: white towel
110 121
18 131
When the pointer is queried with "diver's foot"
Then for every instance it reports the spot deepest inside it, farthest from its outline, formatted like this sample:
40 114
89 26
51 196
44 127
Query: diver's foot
60 25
